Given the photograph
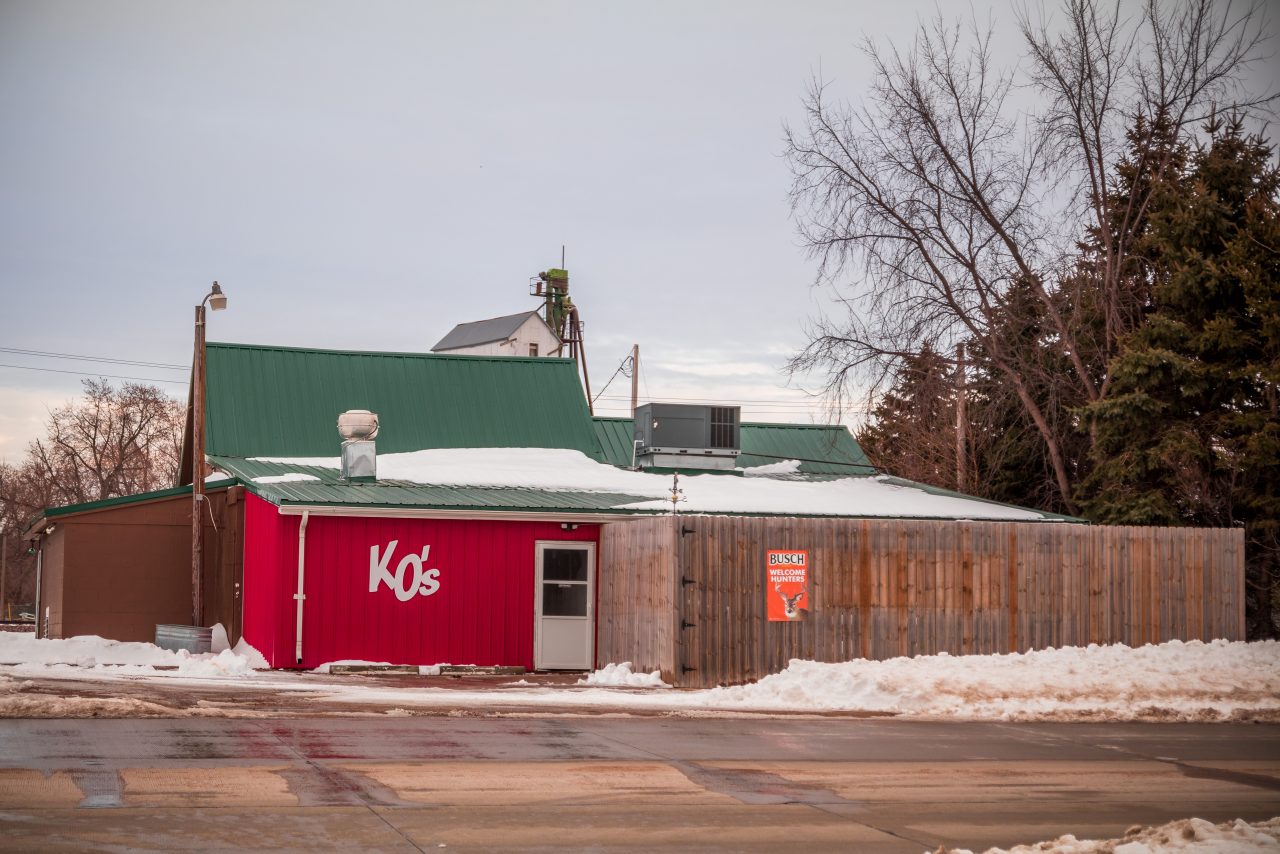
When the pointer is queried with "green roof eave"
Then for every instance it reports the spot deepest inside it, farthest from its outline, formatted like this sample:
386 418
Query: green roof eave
120 501
467 508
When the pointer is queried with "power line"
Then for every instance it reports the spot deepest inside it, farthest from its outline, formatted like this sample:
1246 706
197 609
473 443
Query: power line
621 370
95 374
95 359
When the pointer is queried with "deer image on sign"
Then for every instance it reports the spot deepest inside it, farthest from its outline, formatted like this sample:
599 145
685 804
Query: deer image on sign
786 585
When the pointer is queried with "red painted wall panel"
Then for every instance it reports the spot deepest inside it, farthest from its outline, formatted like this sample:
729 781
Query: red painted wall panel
481 613
266 579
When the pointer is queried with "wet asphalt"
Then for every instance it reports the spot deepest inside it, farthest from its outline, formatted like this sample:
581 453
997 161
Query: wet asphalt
558 782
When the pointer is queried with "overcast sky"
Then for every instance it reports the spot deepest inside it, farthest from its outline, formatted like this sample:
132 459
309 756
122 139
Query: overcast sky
366 175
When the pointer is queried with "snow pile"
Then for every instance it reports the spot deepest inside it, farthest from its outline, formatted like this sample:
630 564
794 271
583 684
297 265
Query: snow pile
255 659
560 469
218 640
89 652
225 663
289 477
82 651
1190 835
1175 680
621 676
784 467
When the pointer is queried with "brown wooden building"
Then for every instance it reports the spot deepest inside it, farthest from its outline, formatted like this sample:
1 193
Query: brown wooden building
119 567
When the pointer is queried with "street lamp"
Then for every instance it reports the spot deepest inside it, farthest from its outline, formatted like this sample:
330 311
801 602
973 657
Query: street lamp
217 301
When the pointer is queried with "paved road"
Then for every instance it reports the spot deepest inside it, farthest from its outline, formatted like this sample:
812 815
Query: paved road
551 783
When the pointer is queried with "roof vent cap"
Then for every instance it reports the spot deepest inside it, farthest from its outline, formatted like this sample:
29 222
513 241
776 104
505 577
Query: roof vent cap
358 425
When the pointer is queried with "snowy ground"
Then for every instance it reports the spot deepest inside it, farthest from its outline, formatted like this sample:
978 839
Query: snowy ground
1187 835
1173 681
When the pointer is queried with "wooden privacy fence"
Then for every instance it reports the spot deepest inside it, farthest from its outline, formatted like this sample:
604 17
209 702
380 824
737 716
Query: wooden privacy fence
687 595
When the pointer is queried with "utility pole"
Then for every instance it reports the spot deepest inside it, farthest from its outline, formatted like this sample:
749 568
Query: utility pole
635 377
962 421
217 301
197 471
4 571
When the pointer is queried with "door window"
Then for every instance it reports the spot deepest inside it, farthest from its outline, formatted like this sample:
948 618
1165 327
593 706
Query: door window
564 582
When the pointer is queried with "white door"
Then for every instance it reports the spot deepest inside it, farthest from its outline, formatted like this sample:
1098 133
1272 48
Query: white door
564 606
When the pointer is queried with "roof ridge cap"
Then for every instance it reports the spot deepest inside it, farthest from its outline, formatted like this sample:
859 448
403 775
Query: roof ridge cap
387 353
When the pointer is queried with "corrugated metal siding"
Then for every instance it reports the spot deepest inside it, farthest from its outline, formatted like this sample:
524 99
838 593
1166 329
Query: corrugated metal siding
615 436
267 626
273 401
482 613
247 470
821 449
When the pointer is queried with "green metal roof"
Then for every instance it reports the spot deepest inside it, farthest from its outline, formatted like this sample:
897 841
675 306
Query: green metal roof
938 490
104 503
284 401
821 449
121 500
328 488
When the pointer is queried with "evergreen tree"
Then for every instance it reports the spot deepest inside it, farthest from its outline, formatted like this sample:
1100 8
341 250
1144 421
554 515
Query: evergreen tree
1010 462
912 431
1191 433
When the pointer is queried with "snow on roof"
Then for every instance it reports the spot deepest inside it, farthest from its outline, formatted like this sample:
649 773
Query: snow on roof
482 331
568 470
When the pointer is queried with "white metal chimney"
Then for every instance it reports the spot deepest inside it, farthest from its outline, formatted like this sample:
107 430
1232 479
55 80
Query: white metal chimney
358 428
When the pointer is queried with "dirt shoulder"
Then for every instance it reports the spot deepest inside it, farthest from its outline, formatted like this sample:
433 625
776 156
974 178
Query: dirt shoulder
317 695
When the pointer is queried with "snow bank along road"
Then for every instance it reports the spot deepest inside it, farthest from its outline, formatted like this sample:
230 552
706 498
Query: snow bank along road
405 783
1195 681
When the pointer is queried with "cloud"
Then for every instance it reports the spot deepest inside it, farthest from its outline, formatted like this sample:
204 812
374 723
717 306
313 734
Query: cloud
23 417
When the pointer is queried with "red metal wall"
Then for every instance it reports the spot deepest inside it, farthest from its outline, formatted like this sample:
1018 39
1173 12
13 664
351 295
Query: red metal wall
267 579
482 612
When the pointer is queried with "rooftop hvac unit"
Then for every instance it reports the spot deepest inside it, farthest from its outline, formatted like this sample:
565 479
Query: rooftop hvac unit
675 435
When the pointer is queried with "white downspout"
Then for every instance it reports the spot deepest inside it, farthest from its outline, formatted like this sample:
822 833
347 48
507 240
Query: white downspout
39 573
300 596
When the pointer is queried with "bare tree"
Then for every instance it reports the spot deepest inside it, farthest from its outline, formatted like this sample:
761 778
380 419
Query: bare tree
944 199
1102 78
112 442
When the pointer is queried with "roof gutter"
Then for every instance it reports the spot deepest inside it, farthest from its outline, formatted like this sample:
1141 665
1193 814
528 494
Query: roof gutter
306 510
